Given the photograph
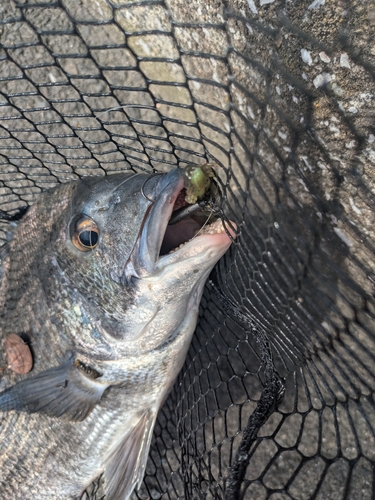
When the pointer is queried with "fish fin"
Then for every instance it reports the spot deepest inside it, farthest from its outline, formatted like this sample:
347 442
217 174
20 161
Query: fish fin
125 468
62 391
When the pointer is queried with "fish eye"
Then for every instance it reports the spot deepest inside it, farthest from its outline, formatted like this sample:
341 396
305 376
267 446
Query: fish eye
84 233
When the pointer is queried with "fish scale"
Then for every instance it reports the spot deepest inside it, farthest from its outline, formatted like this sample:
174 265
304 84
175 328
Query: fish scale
108 326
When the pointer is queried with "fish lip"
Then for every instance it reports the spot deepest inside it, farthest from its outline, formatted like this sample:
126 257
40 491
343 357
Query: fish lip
145 258
209 247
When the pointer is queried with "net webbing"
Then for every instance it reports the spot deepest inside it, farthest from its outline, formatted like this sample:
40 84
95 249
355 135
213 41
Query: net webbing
276 399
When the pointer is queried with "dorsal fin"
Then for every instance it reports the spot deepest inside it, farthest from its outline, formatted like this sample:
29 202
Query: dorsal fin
125 467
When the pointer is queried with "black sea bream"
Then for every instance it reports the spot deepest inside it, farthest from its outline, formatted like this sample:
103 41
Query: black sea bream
92 281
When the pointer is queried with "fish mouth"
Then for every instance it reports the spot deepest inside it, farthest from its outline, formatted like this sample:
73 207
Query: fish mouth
160 244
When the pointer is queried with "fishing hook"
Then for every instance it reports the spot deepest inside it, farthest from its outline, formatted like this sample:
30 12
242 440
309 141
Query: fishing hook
145 182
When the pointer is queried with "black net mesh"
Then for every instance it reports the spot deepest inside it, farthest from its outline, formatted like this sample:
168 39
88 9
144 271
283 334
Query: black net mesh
276 399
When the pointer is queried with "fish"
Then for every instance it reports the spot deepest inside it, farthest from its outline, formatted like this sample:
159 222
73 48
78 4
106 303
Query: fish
104 295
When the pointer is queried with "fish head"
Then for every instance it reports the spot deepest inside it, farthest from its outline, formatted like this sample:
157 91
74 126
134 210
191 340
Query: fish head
120 254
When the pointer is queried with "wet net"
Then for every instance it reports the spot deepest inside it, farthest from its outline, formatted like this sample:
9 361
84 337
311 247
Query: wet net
276 399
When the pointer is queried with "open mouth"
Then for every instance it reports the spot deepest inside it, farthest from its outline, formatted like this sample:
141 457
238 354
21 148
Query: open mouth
189 224
171 223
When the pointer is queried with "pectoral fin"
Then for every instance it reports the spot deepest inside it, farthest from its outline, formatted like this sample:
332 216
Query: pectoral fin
125 468
63 391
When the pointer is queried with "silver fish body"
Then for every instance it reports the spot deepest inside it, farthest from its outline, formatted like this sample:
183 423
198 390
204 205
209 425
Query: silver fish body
109 315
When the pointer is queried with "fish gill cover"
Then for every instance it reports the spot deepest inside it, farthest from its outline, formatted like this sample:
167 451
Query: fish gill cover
276 398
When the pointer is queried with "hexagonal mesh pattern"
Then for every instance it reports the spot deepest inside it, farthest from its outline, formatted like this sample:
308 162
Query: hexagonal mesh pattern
276 399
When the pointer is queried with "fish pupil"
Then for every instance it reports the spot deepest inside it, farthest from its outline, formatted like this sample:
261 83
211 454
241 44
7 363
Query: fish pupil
89 238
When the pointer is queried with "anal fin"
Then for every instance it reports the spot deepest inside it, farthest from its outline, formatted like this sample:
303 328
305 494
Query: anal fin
125 467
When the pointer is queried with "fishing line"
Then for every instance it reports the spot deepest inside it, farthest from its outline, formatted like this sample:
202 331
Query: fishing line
204 225
124 181
141 106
